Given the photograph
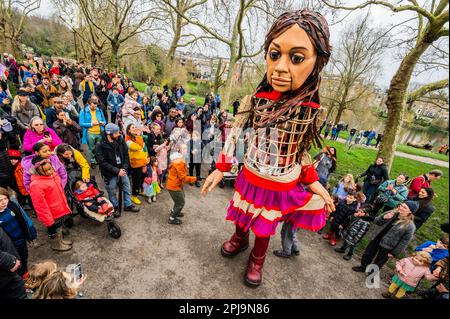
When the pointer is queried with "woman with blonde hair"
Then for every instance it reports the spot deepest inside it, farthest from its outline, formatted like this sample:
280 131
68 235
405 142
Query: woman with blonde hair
345 185
23 110
59 285
392 237
37 274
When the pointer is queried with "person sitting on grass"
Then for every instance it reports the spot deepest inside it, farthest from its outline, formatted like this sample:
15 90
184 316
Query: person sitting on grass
437 250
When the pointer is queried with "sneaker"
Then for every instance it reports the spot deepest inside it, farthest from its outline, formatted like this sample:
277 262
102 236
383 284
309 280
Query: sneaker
358 269
153 198
136 200
347 257
339 250
296 252
387 295
281 253
149 200
175 221
117 213
197 184
132 209
180 215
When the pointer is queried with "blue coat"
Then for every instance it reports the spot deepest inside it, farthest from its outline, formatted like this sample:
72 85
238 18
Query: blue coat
86 121
115 102
436 254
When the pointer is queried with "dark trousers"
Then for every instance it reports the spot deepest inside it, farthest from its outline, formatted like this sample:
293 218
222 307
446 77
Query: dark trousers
178 200
375 254
334 228
12 287
351 248
197 167
113 117
369 190
22 250
136 180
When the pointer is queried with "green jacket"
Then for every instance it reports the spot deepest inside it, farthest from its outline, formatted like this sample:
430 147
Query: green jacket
393 199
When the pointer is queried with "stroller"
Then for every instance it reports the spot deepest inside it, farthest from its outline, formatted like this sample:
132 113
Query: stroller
113 229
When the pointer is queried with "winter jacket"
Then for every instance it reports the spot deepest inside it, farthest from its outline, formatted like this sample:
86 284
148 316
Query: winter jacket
178 173
78 163
161 154
115 102
49 199
31 137
86 121
6 168
413 272
8 257
47 94
57 166
376 174
138 156
393 200
68 134
153 140
417 184
422 215
436 254
25 113
396 239
107 155
343 212
89 193
26 231
18 175
128 106
357 229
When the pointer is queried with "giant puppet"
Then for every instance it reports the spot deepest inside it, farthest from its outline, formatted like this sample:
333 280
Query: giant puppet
278 181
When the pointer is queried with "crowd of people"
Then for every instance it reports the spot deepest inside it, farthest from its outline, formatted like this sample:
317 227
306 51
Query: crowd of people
358 137
145 142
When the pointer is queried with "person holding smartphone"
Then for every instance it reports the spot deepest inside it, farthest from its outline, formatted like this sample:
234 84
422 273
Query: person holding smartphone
92 121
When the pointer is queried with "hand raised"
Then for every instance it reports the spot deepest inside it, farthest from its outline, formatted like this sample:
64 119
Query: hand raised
211 181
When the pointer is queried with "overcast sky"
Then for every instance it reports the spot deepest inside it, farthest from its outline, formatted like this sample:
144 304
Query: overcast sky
381 17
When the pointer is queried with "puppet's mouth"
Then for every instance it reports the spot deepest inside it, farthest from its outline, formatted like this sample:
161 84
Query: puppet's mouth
279 80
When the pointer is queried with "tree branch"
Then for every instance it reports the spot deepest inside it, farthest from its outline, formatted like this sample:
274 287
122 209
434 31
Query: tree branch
424 90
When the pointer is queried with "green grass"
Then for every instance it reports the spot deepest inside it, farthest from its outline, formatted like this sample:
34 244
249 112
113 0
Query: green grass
140 86
420 152
405 149
356 162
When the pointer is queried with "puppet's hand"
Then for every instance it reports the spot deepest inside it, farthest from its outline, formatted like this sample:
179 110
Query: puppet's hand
211 181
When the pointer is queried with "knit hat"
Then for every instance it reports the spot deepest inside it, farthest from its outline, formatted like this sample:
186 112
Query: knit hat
413 206
14 154
22 93
111 128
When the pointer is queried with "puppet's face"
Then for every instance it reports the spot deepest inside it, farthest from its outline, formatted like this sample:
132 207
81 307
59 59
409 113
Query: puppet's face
290 59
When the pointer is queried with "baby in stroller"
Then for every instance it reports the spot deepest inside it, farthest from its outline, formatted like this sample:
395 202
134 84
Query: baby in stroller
92 198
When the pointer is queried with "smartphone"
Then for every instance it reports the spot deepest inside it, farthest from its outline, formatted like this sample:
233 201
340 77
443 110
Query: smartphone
77 272
46 134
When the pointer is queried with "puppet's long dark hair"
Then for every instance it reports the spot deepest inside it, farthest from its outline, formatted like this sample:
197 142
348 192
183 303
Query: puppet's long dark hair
316 27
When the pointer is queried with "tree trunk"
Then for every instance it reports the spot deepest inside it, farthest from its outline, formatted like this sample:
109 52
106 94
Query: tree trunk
396 102
228 83
114 60
176 39
217 77
339 112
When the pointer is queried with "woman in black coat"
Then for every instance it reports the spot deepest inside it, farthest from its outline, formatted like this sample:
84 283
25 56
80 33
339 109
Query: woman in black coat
426 208
375 175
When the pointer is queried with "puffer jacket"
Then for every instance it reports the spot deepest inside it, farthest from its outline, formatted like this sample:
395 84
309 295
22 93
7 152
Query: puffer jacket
357 228
343 212
49 199
57 166
396 239
138 156
31 137
393 200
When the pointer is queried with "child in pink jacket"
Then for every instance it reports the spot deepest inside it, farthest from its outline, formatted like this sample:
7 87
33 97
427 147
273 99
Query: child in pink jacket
409 273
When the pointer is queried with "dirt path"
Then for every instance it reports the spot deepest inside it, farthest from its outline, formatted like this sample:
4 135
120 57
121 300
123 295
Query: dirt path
418 158
153 259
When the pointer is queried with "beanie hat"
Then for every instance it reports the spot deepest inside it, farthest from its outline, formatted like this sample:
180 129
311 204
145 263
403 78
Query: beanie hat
111 128
14 154
413 206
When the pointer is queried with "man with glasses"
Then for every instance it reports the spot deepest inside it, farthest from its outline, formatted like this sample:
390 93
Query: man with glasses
92 121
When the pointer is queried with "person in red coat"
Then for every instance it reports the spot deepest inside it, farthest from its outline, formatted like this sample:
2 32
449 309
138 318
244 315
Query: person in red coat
423 181
49 201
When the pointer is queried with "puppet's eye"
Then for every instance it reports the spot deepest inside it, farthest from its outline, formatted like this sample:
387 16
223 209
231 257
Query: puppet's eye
274 55
296 58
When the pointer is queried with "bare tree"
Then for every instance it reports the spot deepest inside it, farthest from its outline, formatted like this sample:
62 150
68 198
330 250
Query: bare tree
118 21
432 21
232 17
13 16
356 62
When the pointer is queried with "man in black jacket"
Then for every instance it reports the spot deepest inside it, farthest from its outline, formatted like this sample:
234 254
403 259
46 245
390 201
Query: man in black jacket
11 284
112 156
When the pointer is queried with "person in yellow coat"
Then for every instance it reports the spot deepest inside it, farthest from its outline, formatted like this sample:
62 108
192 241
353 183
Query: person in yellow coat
75 163
138 160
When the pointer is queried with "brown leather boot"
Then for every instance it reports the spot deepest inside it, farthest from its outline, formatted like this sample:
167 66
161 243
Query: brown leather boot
65 232
235 245
57 243
253 275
